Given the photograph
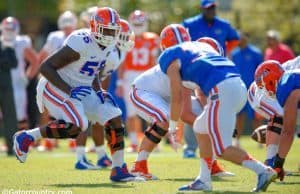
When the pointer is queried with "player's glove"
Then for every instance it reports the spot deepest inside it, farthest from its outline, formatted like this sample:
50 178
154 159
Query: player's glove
278 167
103 95
172 131
80 91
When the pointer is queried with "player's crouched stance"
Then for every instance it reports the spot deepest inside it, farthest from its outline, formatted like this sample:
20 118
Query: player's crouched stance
71 92
217 78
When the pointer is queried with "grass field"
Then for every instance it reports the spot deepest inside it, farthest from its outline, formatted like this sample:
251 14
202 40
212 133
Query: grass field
54 173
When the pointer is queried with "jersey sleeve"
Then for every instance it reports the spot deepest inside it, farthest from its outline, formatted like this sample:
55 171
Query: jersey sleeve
77 42
167 57
49 45
287 84
27 41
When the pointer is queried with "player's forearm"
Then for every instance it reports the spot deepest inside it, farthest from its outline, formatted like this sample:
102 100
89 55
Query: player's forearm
53 77
289 125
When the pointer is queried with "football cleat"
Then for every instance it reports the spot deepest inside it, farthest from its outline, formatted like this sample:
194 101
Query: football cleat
104 162
189 154
264 180
218 171
121 174
140 168
197 185
84 164
21 145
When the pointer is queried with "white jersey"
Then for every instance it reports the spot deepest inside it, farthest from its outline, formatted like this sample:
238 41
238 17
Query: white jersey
113 60
92 59
19 79
18 73
54 41
292 64
154 80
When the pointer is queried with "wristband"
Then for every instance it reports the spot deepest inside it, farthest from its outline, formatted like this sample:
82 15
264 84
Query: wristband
172 125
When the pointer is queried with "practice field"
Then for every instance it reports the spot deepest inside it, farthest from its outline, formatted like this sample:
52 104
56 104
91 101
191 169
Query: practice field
53 172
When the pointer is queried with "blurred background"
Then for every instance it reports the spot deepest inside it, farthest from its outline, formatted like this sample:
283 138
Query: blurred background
39 17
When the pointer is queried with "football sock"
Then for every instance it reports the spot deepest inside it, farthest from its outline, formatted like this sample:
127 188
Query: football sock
117 158
100 151
205 169
133 138
142 155
80 152
253 165
35 133
271 150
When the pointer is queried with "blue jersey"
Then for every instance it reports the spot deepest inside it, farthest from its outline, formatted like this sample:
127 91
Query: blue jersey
220 29
204 69
287 84
246 60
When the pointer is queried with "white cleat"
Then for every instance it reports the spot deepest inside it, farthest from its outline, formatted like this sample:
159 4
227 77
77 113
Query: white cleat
21 145
264 180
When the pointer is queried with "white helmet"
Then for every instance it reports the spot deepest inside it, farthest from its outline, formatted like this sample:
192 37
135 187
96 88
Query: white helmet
10 28
126 37
86 15
67 19
139 22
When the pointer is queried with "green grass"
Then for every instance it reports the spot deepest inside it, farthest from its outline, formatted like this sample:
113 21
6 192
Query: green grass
53 172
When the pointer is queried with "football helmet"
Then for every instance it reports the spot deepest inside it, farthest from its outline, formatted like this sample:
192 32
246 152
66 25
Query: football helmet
10 28
105 26
173 34
67 19
126 37
213 43
267 76
139 22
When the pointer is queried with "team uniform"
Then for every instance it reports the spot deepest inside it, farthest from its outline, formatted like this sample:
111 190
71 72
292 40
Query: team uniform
79 73
19 79
218 78
139 59
261 102
54 41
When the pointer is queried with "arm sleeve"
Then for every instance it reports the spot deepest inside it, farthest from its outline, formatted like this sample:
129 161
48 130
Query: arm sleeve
166 58
76 42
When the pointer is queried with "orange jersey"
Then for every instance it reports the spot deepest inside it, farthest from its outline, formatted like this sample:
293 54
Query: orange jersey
143 55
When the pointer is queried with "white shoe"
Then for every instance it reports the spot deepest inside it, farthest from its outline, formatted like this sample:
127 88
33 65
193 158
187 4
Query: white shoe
264 179
84 164
197 185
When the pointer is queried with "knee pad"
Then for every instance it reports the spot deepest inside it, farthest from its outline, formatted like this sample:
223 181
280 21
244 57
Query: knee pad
275 124
60 129
155 128
115 137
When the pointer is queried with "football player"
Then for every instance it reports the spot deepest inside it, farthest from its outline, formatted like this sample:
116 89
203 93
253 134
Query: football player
284 86
66 23
71 92
139 59
268 107
151 100
217 78
21 75
114 58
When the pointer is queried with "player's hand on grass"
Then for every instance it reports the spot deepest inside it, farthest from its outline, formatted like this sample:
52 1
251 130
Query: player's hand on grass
172 136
